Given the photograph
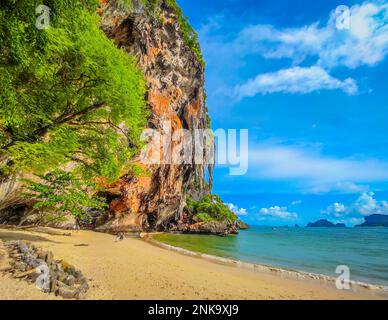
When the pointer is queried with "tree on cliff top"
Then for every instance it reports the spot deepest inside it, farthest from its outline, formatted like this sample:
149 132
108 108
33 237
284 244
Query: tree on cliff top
210 208
67 94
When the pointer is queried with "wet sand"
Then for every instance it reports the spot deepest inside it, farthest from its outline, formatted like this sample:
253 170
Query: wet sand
135 269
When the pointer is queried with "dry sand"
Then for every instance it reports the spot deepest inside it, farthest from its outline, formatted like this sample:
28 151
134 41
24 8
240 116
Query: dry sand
135 269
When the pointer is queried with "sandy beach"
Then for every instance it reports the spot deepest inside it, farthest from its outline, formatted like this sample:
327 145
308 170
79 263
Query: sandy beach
135 269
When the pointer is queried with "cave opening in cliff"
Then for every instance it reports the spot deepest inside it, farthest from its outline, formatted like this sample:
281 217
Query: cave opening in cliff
151 220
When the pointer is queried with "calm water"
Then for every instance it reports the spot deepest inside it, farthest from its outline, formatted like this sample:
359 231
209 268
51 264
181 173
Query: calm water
318 250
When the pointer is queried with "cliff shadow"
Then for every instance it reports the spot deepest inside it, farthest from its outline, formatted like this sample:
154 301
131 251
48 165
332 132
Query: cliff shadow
16 235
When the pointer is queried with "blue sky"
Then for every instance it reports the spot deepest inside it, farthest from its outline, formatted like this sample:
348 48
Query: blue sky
314 98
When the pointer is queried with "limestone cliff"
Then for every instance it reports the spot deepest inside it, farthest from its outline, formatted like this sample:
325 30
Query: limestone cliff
175 93
165 197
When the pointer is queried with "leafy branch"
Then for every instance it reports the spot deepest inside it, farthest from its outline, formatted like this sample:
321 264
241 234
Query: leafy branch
60 193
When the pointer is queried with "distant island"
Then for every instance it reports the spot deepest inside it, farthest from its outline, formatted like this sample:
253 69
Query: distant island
375 220
323 223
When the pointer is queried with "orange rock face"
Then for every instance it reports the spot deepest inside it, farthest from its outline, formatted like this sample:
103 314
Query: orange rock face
175 83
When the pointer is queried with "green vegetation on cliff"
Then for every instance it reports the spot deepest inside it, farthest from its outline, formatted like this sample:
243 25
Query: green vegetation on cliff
210 208
59 194
67 94
189 34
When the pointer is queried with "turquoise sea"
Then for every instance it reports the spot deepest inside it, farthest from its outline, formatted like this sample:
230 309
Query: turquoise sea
317 250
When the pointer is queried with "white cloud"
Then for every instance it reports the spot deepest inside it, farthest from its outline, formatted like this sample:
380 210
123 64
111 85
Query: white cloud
365 43
307 165
296 202
294 80
323 45
213 23
277 212
336 210
350 221
365 205
238 211
338 187
273 43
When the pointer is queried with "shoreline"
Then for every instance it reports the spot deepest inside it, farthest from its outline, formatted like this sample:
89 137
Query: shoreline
356 286
135 269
